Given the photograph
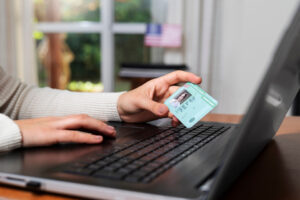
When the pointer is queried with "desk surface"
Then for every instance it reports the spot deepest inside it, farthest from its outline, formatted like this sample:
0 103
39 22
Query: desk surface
274 175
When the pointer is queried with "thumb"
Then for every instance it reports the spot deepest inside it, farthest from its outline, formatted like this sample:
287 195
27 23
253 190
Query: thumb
156 108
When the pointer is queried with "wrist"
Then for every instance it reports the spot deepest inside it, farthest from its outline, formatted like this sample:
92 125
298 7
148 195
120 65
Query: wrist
120 105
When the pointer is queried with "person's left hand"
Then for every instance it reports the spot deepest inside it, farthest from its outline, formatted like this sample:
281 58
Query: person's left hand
145 103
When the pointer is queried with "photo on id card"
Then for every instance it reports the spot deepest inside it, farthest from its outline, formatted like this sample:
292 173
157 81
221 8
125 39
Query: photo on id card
190 103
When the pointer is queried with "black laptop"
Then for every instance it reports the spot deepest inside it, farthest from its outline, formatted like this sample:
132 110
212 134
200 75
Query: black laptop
156 161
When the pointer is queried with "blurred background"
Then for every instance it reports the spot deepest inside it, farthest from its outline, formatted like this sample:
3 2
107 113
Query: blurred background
83 45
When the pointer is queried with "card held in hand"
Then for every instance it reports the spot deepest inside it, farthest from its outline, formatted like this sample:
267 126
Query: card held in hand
190 103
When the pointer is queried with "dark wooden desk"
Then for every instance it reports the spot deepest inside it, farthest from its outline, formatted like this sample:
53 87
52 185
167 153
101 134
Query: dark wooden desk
274 175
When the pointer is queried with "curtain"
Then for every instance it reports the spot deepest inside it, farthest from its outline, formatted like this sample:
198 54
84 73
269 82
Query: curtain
17 52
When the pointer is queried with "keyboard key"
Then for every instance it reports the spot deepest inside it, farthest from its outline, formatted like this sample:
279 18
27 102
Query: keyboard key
139 163
154 164
116 165
131 167
149 157
124 171
139 174
108 169
124 161
93 167
162 159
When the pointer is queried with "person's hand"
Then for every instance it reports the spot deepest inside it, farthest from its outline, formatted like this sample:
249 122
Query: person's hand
51 130
145 103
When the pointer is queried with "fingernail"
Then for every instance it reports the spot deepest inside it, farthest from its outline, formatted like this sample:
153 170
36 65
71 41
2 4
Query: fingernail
162 110
98 138
112 130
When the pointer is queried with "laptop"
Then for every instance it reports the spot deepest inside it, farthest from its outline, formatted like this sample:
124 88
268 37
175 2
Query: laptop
156 161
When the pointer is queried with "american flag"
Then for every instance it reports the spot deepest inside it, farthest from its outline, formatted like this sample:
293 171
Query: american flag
167 35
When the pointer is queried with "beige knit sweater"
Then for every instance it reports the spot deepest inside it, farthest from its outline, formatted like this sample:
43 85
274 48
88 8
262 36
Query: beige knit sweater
20 101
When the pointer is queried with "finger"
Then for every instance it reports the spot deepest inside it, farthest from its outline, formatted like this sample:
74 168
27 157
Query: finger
76 137
156 108
173 89
87 122
170 115
174 118
175 122
181 76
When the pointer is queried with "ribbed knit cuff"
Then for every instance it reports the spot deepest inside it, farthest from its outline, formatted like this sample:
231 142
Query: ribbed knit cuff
109 107
115 113
10 135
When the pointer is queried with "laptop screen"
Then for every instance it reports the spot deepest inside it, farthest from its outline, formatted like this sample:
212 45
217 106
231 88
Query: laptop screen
266 111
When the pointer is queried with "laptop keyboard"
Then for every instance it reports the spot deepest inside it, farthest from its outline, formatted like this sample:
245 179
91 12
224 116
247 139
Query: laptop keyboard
142 161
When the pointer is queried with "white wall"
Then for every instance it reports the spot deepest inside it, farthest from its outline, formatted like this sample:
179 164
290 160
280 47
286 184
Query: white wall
246 39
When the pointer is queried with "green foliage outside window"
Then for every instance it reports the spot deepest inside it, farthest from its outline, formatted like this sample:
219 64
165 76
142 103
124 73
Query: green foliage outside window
132 11
86 50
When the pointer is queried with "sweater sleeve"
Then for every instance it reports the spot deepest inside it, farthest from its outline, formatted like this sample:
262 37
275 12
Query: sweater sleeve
49 102
20 101
10 135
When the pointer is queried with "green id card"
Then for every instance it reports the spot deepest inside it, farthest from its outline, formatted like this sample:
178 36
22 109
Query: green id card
190 103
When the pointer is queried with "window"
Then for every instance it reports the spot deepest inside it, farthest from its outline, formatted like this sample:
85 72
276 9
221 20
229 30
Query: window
86 41
129 47
78 52
67 58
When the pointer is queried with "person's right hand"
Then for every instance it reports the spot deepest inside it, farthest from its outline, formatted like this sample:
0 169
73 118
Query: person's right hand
52 130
